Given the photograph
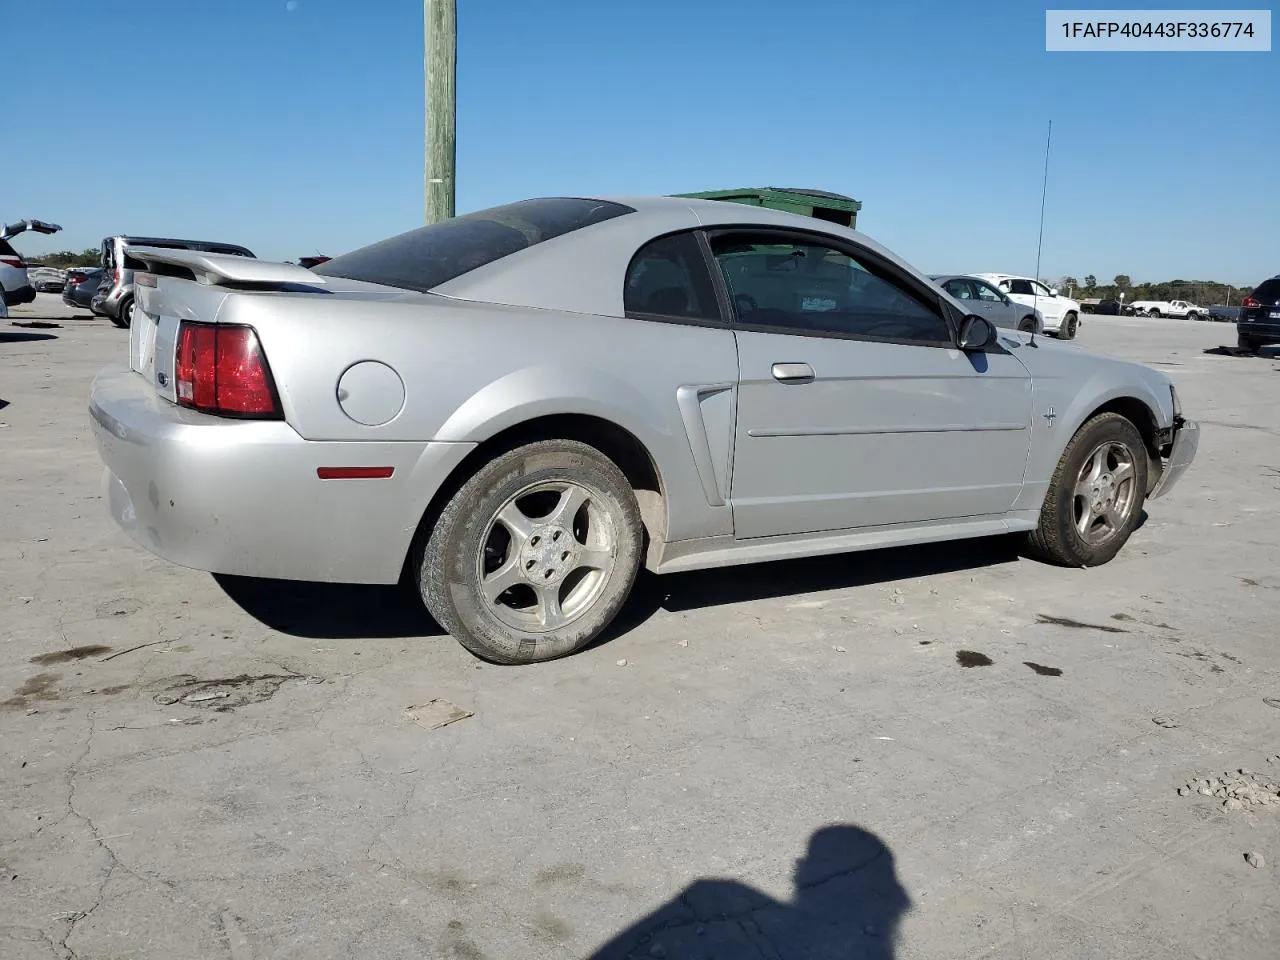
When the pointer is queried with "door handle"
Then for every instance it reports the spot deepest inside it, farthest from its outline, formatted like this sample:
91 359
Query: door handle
792 373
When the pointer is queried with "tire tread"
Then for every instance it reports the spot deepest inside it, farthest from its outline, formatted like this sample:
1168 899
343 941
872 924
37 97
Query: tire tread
1052 541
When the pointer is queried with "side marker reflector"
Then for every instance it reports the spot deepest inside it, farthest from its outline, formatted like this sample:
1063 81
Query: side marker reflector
354 473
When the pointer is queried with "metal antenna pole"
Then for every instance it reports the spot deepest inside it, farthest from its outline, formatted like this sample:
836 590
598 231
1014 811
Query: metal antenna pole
440 70
1044 192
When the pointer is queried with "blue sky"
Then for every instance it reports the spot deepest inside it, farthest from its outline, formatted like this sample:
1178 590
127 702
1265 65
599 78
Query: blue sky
296 128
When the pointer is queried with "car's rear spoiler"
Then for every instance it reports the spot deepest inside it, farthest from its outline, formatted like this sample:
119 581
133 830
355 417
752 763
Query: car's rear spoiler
223 269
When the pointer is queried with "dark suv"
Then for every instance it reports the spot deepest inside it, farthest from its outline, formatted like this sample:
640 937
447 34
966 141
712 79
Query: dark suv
1259 321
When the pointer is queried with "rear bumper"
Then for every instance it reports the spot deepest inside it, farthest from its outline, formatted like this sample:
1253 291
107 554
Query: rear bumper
1263 331
242 497
1186 441
16 298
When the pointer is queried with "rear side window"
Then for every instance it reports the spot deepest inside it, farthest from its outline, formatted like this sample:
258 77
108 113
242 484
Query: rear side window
1268 291
668 278
424 258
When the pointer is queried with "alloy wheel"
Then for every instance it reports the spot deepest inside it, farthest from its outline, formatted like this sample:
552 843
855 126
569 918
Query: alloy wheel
1105 492
546 555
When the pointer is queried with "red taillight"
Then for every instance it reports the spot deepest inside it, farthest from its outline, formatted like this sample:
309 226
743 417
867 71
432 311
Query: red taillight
220 368
14 262
115 275
1249 302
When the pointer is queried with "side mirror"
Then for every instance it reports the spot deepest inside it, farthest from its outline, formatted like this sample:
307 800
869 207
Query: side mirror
1053 292
976 333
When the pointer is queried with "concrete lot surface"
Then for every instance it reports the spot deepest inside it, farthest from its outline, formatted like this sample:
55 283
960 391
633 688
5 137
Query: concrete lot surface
793 760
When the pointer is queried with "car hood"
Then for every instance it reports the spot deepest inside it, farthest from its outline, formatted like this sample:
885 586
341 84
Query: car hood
1066 371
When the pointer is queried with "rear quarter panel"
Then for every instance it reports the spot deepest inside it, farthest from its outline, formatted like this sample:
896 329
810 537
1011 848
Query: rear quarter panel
471 370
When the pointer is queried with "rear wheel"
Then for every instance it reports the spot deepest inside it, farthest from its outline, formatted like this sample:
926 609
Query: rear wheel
535 554
1248 344
1095 497
124 316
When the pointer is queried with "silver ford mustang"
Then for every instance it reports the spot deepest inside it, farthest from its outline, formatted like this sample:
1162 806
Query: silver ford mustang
521 406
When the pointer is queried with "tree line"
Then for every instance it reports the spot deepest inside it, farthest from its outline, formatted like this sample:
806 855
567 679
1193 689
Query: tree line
1204 293
63 259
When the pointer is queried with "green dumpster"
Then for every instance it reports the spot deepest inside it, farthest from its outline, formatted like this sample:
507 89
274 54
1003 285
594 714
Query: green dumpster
832 207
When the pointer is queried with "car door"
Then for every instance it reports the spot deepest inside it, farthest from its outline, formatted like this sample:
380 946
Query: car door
1050 307
996 307
854 407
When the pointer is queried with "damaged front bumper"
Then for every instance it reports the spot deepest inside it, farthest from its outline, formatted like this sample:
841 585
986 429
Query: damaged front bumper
1177 455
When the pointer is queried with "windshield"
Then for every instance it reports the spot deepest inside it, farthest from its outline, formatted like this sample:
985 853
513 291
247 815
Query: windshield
424 258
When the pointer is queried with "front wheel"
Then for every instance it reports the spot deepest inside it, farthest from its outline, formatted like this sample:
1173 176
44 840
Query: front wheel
535 554
1068 329
1095 498
1028 325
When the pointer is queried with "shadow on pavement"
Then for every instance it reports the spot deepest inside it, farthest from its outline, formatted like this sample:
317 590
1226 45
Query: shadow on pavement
331 611
1264 353
847 903
351 611
782 578
15 336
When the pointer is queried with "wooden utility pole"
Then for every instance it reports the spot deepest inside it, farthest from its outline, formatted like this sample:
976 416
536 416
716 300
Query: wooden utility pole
440 67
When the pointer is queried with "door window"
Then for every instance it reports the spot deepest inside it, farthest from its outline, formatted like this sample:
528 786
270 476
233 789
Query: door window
989 294
1040 289
1021 286
804 286
668 278
961 289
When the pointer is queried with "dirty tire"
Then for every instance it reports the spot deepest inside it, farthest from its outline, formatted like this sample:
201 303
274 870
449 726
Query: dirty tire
449 564
1056 540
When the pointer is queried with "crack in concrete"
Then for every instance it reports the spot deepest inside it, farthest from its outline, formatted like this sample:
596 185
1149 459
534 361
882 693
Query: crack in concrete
73 773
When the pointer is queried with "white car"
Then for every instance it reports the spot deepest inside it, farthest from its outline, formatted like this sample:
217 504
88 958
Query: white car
15 285
1061 314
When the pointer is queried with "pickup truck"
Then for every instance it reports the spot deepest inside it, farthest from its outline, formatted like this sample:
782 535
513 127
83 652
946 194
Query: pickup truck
1169 308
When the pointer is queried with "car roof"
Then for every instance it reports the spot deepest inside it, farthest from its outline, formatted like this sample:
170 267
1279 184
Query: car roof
583 271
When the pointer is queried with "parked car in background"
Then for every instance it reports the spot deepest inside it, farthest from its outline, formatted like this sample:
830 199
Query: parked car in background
115 296
980 297
1259 321
46 279
1221 313
1061 315
81 285
15 284
1110 308
524 405
1179 309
